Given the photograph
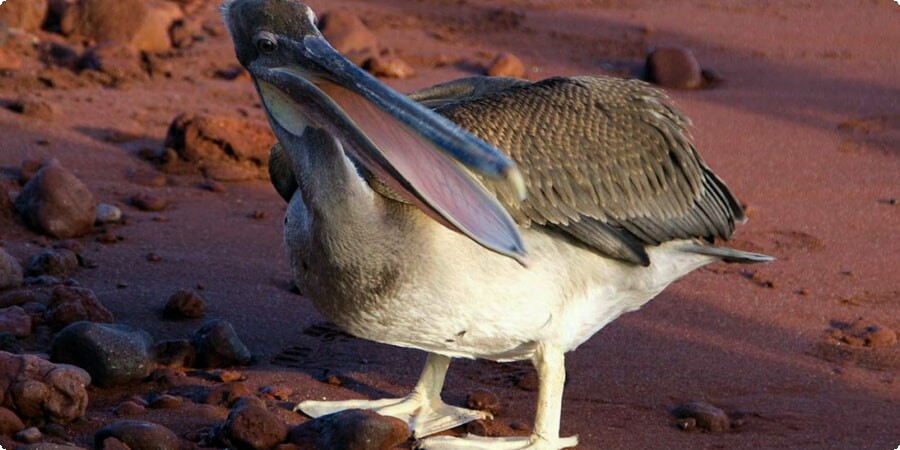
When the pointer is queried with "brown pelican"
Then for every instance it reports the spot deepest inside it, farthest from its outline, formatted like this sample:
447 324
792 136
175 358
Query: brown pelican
407 226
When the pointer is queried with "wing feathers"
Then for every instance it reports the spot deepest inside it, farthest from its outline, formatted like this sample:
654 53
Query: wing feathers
607 161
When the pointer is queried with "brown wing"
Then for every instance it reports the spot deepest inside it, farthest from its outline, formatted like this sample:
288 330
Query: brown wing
606 161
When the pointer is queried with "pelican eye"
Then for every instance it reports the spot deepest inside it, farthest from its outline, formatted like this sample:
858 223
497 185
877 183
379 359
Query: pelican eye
266 44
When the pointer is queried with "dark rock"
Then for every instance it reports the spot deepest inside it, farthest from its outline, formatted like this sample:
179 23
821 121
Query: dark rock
218 345
129 408
10 423
224 148
15 321
174 353
32 106
28 169
484 400
55 202
39 389
113 354
166 402
349 35
146 202
355 428
26 15
10 271
29 435
389 67
112 443
139 435
9 344
60 263
69 304
674 67
251 427
707 417
506 65
227 394
22 296
184 304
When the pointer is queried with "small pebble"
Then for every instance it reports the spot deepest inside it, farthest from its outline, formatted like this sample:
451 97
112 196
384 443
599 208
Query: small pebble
108 238
29 435
227 376
227 394
129 408
146 202
277 392
213 185
389 67
154 257
107 213
506 65
166 401
707 417
484 400
184 304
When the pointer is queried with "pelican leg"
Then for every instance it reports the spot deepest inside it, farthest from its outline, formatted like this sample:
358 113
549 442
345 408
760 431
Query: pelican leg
549 362
423 410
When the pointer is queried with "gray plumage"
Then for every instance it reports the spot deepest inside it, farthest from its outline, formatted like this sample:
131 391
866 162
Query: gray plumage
606 161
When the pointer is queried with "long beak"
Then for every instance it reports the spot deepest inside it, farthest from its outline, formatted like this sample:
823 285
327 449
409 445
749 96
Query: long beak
415 151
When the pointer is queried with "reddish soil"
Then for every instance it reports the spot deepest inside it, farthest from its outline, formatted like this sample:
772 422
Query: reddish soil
805 129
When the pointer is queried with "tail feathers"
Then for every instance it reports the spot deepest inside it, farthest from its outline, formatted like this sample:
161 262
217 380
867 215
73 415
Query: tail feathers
726 254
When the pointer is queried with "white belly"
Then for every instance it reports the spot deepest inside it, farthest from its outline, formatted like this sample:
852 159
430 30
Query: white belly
438 291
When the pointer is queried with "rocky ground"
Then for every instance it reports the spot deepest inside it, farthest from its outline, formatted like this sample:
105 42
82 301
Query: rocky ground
145 301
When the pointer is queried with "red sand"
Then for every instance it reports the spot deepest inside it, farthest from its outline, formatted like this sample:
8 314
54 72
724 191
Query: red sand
805 130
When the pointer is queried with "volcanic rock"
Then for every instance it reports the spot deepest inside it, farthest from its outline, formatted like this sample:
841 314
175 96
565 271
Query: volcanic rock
174 353
129 408
389 67
142 24
26 15
55 262
146 202
32 106
69 304
56 203
107 213
227 394
118 61
10 271
506 65
252 427
9 344
113 354
29 435
484 400
224 148
9 422
165 402
138 435
707 417
15 321
218 345
349 35
184 304
39 389
355 428
674 67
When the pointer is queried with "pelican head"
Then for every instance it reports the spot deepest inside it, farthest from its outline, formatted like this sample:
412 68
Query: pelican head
303 81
